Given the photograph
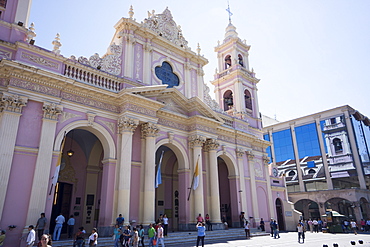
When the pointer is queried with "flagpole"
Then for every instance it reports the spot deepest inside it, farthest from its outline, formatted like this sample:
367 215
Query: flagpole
59 159
192 181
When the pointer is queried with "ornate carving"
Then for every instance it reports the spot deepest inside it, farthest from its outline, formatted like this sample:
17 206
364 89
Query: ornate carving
5 54
164 25
212 144
56 43
90 118
196 141
172 124
126 124
51 110
31 32
149 129
250 154
224 149
110 63
90 102
266 159
209 101
40 60
239 152
34 87
258 170
67 115
138 109
111 126
170 136
138 61
12 102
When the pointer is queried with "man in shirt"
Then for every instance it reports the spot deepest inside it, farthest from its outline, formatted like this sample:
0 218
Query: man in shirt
120 220
71 226
41 225
58 227
151 234
31 237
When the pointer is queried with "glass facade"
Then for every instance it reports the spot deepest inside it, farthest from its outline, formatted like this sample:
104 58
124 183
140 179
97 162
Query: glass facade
307 140
362 133
266 137
283 145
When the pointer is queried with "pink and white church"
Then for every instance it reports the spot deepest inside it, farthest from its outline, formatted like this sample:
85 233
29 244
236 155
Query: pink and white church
120 111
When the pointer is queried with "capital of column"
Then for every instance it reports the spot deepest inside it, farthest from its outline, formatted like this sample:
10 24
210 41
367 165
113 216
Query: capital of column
250 154
148 47
12 102
212 144
196 141
126 124
149 130
239 152
266 159
52 110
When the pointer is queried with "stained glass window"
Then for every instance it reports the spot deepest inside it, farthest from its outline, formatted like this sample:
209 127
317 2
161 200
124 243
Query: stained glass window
166 75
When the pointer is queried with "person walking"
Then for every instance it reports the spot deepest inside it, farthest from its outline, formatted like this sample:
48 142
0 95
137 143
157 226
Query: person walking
310 225
276 229
165 225
93 238
201 233
2 237
31 236
247 229
135 238
126 236
272 227
353 226
116 234
58 226
71 226
141 235
160 237
79 237
315 224
262 225
208 223
301 230
41 225
151 235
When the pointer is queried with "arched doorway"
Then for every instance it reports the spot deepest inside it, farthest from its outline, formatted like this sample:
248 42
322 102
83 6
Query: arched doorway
78 190
308 208
342 206
280 214
168 195
364 207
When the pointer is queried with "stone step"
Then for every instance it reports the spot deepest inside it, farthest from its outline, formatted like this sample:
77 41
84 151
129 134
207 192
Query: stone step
174 238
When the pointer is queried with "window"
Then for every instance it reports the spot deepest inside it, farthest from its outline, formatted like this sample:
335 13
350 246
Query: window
3 3
337 145
166 75
311 171
240 59
227 61
228 100
291 173
333 121
248 100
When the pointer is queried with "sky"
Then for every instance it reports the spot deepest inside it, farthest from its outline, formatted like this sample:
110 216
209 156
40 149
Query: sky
310 55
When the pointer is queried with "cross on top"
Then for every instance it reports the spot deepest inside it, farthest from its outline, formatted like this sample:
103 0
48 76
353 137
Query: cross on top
229 11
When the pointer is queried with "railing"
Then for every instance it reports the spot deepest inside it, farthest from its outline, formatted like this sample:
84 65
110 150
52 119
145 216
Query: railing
235 67
333 126
92 78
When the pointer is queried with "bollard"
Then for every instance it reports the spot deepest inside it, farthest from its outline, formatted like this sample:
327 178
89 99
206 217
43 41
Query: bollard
353 242
360 241
335 245
325 245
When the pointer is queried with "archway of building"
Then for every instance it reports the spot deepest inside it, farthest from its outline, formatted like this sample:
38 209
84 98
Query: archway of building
364 208
342 206
78 189
228 191
280 214
171 194
308 208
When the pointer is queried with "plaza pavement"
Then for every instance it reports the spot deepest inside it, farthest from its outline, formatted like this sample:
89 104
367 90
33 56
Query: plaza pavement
290 239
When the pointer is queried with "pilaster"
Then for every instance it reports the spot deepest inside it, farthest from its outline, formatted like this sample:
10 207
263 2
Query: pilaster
252 173
242 189
150 131
268 185
126 127
10 112
40 182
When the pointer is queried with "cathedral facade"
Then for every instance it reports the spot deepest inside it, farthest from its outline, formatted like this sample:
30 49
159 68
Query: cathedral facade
91 136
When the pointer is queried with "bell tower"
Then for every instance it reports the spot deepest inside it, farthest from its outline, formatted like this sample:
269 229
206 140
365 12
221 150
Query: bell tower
235 84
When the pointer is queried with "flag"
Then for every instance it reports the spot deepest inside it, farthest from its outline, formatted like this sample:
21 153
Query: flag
196 175
158 178
59 161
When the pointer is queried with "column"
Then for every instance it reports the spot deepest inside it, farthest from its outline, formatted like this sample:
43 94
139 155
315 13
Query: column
150 131
126 127
10 108
253 184
40 183
355 154
323 155
268 185
212 146
296 155
107 197
196 142
242 189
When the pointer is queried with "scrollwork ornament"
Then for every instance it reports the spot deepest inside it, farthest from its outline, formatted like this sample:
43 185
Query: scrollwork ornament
196 141
12 102
52 110
250 154
149 129
239 152
126 124
212 144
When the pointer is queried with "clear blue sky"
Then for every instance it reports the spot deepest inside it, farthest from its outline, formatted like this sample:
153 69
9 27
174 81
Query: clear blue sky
311 55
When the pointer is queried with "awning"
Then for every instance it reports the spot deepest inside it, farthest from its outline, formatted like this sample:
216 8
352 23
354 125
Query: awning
335 214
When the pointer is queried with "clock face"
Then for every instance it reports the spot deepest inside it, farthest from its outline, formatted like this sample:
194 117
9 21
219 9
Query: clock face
275 172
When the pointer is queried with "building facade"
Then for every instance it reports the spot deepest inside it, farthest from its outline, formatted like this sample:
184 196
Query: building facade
85 136
324 158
